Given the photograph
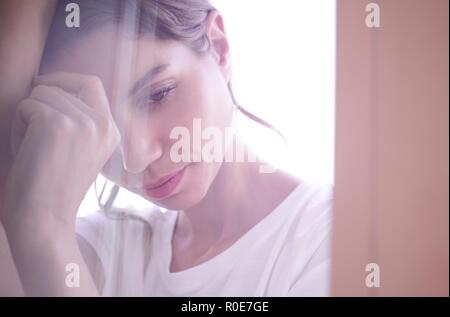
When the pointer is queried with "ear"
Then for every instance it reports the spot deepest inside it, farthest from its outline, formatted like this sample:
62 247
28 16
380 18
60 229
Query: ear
220 49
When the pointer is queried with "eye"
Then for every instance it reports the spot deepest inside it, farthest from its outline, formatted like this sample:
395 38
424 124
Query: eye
158 96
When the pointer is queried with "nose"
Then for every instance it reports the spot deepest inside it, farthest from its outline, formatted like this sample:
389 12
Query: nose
140 147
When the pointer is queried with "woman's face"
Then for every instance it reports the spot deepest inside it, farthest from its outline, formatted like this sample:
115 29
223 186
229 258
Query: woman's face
155 86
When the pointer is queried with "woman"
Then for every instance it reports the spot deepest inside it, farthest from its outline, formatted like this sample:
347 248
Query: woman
113 94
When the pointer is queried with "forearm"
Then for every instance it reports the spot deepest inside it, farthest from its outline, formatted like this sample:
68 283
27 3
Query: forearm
24 26
49 263
9 279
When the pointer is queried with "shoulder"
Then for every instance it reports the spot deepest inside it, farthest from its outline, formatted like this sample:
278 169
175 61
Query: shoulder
316 205
98 228
307 203
309 206
302 262
309 243
122 235
97 223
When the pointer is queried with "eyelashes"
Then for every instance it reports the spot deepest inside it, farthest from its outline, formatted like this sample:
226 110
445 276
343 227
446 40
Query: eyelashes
156 98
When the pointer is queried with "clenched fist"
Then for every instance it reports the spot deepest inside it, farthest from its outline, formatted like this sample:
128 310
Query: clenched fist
62 136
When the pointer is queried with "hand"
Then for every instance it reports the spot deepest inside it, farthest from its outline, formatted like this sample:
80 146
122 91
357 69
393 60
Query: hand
62 136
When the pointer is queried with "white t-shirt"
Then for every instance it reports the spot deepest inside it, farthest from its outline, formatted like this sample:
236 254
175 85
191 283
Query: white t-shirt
286 254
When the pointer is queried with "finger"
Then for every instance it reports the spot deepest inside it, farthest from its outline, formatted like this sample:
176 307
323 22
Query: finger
52 98
102 120
88 88
72 100
27 111
80 104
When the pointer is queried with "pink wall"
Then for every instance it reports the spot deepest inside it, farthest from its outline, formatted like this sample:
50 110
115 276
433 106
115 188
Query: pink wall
391 181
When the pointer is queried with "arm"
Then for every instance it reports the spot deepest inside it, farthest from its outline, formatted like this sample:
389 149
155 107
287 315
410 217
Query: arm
23 29
9 279
50 263
52 132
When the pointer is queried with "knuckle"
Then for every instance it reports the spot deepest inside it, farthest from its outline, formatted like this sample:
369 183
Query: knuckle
93 81
24 104
87 128
39 90
115 134
25 107
110 130
59 122
103 123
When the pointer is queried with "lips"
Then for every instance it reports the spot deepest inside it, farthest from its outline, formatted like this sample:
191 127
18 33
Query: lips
162 180
165 185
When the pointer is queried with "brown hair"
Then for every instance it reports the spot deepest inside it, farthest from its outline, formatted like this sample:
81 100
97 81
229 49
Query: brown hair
180 20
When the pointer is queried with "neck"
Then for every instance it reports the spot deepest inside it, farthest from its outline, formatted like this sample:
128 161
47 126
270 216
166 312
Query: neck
232 205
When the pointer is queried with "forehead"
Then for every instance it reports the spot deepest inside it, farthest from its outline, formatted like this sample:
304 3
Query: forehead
118 59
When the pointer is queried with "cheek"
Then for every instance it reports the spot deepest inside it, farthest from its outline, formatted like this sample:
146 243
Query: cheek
197 183
202 98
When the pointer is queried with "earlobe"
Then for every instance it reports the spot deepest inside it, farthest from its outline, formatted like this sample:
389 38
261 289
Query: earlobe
219 42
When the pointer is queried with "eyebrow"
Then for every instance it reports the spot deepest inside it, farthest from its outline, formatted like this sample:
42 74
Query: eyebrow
140 83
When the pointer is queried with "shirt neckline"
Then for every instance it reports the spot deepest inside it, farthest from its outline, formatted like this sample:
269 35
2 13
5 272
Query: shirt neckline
193 276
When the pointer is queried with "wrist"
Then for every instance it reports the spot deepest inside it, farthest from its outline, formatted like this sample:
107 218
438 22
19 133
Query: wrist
35 230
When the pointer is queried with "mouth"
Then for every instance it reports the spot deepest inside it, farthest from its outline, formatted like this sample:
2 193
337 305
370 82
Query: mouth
165 185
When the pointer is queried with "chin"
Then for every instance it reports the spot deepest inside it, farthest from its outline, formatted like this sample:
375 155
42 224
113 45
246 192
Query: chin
182 200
